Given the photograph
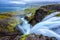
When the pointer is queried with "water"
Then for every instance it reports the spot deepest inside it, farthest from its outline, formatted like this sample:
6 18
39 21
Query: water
10 9
51 15
43 27
25 27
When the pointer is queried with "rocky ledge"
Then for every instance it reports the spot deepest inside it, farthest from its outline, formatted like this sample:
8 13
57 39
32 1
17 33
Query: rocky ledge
42 12
37 37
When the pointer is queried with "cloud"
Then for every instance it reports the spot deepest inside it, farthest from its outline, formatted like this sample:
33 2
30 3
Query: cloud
32 1
25 1
12 2
40 0
17 2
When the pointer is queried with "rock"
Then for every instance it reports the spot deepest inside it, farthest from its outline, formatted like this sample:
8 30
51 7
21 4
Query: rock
7 25
39 15
53 38
52 7
38 37
13 37
42 12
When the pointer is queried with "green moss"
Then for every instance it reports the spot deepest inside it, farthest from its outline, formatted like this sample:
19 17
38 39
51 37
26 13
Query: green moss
11 22
58 14
23 37
51 11
30 10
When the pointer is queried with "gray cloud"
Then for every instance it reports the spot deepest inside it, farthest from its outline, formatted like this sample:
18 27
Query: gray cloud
24 1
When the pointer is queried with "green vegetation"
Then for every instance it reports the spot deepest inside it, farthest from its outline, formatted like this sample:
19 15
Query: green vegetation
51 11
30 10
58 14
9 21
23 37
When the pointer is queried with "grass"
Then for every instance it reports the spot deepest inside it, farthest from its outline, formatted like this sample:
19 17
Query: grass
30 10
11 21
51 11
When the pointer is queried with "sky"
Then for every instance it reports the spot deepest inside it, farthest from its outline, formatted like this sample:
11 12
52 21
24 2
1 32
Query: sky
12 3
24 1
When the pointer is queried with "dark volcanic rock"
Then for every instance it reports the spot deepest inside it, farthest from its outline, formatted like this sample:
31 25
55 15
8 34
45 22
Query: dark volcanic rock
39 15
52 7
13 37
39 37
42 12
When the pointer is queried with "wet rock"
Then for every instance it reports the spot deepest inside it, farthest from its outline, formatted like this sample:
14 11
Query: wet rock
39 15
53 38
29 37
39 37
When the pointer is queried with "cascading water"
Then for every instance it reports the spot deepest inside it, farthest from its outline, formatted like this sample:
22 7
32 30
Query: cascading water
44 27
25 27
50 16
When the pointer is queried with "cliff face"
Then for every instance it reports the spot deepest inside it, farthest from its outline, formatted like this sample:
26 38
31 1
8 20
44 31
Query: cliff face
42 12
39 15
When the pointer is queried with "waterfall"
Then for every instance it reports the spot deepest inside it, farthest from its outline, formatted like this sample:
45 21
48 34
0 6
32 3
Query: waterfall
25 27
44 27
51 15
